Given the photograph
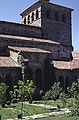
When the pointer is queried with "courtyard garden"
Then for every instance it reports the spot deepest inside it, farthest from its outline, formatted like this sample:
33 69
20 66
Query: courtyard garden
55 104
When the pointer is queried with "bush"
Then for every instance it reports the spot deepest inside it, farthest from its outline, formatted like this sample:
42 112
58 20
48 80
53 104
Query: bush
63 98
3 105
14 100
73 90
8 102
54 92
74 93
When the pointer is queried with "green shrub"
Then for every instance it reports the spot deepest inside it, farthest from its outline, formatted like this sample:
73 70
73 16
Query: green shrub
74 93
54 92
73 90
63 98
8 102
3 88
14 100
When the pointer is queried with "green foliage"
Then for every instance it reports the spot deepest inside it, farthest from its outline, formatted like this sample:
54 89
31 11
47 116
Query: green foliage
75 109
10 112
74 90
24 90
3 88
8 102
54 92
74 93
60 117
63 98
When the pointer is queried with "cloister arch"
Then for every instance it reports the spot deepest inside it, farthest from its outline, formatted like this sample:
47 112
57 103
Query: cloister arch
67 82
38 78
61 80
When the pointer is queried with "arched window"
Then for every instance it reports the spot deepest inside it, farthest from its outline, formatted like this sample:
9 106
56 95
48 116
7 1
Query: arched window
28 19
37 14
56 16
25 20
32 16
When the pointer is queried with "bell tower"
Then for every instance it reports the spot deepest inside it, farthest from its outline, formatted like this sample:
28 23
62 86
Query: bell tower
54 20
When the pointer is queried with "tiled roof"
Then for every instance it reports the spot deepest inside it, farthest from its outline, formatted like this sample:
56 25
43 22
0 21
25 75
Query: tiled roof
75 54
8 62
28 49
74 64
75 61
61 64
3 36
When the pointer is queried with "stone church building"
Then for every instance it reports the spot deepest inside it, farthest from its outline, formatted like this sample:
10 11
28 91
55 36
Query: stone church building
44 37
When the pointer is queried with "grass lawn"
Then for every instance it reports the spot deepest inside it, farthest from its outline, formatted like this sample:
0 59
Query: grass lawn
60 117
69 102
49 102
14 109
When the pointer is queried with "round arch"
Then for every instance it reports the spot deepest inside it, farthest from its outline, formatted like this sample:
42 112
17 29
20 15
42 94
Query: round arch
61 80
0 79
49 74
9 83
67 82
38 78
29 74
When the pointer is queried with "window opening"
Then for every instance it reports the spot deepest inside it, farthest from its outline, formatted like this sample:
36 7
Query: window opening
28 19
37 14
32 16
25 20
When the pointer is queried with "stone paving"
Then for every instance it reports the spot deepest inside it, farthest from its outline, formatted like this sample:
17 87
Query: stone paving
58 112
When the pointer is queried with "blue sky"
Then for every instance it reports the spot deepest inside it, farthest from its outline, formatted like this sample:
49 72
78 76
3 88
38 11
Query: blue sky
10 10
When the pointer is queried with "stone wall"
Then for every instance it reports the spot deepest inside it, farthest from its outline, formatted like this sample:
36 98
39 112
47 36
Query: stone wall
58 51
14 73
19 29
56 29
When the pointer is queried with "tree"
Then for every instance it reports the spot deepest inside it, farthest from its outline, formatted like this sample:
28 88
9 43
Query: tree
54 92
73 92
24 91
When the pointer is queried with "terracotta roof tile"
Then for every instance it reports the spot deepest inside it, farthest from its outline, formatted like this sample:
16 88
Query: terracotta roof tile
8 62
75 61
62 64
